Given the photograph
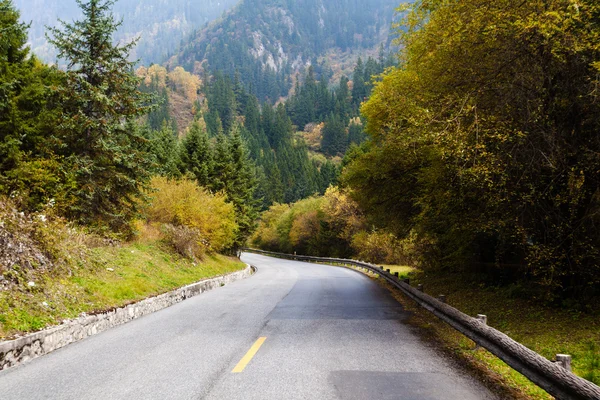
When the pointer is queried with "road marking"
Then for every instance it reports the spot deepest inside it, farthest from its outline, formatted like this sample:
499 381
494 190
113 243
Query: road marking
248 357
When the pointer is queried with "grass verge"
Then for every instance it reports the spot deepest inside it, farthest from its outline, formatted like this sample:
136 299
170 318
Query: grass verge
109 277
544 329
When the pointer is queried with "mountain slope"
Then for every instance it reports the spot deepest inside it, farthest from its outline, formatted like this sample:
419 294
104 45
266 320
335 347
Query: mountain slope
161 24
266 41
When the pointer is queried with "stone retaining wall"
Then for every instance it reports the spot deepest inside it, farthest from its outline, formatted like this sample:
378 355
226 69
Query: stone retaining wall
36 344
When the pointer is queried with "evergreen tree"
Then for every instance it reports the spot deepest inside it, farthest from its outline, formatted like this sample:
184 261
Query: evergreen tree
356 134
234 174
242 186
342 98
329 175
196 155
160 114
359 88
334 136
28 164
163 146
222 170
99 96
222 100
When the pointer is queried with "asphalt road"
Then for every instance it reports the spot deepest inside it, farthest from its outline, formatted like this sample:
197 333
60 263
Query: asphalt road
326 333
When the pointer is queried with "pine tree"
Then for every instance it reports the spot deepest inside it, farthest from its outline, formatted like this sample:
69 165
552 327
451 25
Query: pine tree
29 167
359 88
196 155
99 96
334 136
163 146
234 174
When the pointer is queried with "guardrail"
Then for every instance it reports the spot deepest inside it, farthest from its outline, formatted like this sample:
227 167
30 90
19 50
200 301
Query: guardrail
554 377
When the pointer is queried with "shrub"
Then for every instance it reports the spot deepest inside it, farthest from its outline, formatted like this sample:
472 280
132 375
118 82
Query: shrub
185 240
267 235
192 210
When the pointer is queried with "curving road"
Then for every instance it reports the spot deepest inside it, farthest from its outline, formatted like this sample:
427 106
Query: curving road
292 331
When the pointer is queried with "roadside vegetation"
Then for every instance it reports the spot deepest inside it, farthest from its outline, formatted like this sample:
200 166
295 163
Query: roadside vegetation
332 225
54 270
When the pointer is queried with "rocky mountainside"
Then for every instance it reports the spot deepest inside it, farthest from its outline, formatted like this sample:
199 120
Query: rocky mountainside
160 24
267 41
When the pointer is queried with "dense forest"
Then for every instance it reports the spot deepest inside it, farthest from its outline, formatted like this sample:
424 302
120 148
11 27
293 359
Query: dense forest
286 168
266 42
160 25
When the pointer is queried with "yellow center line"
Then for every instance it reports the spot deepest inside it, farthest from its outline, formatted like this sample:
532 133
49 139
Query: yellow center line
248 357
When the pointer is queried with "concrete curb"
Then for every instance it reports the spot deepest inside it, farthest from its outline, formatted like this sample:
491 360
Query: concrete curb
33 345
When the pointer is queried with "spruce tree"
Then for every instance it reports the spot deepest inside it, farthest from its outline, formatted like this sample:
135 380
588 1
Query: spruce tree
359 88
29 166
242 187
356 134
234 174
334 136
329 175
163 146
196 155
99 96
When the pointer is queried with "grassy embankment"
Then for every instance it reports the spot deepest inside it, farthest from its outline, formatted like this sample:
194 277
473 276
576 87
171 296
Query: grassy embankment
108 277
544 329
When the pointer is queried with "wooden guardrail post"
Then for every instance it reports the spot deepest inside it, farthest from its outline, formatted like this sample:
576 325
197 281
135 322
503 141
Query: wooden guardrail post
564 360
483 319
407 281
420 287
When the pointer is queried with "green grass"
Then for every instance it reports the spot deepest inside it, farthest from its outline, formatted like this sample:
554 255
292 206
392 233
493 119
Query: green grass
138 271
402 270
544 329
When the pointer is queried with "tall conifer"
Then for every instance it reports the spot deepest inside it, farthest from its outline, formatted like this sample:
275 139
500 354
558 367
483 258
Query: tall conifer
99 96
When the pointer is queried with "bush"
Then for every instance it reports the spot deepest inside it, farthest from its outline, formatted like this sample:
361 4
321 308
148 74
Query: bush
187 210
267 235
185 240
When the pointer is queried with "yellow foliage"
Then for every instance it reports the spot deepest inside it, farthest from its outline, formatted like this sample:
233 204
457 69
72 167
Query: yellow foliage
343 213
267 234
185 204
156 73
304 227
184 83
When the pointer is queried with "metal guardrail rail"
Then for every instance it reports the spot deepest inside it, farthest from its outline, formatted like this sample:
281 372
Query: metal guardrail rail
557 380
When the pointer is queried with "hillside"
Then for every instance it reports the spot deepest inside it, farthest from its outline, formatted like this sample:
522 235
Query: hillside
268 41
160 24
